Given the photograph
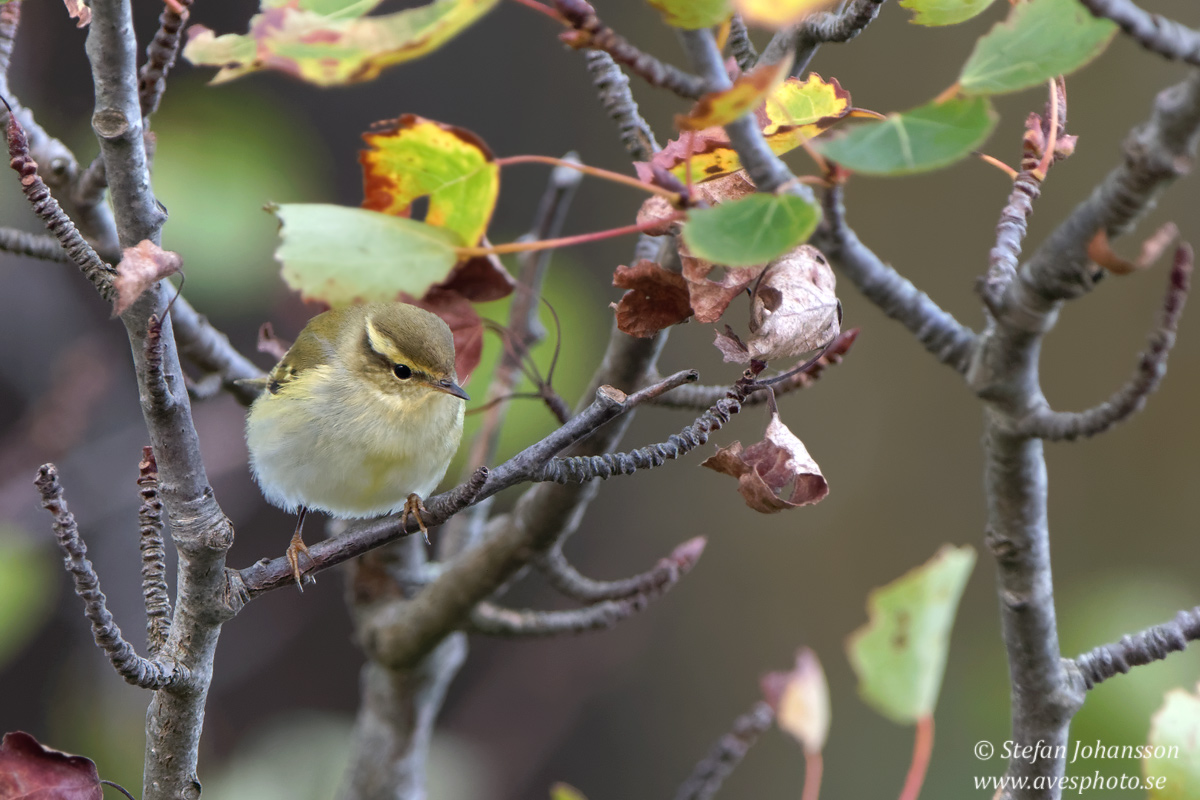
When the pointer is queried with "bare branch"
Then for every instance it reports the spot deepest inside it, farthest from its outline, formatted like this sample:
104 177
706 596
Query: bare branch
579 469
740 46
154 558
1156 154
590 32
1154 32
1146 647
939 332
698 397
47 208
1130 398
706 779
826 26
157 674
566 579
209 349
161 54
33 245
618 102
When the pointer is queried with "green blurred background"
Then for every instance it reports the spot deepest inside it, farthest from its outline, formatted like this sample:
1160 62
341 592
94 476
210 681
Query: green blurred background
625 713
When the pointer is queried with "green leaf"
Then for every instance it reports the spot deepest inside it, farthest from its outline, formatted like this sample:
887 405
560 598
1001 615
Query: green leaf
561 791
752 230
1040 39
932 136
417 157
331 42
342 255
26 588
944 12
900 654
1173 758
693 14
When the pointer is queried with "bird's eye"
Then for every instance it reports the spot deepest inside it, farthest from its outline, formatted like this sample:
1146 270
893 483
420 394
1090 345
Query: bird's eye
402 372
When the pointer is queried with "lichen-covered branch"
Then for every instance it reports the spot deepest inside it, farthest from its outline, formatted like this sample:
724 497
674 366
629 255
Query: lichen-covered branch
565 578
824 26
161 54
1046 423
494 620
154 557
143 672
938 332
613 87
1154 32
33 245
708 776
740 46
1146 647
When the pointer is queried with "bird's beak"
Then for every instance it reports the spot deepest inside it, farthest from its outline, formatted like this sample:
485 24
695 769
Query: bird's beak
450 387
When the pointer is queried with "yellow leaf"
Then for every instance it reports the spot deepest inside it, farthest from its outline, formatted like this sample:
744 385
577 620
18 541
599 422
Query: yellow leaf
747 93
778 14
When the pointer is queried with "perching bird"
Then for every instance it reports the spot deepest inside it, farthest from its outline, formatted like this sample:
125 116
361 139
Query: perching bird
360 418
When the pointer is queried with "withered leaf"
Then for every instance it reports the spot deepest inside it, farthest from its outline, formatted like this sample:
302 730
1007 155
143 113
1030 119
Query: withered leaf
480 279
142 266
794 308
1100 251
81 12
657 298
466 325
769 466
710 297
800 699
658 210
28 769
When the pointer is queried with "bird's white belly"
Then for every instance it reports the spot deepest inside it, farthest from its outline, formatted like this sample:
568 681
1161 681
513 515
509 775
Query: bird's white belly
351 465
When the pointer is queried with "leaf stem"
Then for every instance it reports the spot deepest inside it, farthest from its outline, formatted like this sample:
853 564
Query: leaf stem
596 172
566 241
814 765
543 9
922 749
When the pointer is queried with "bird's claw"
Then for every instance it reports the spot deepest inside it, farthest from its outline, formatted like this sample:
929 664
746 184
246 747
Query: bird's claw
415 507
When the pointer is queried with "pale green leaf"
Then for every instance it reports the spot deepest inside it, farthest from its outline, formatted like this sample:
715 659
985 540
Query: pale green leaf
1040 40
343 255
900 654
752 230
925 138
1173 754
693 14
944 12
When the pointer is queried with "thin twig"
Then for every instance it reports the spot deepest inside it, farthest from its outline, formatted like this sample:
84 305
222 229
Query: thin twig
1130 398
951 342
156 674
613 87
1146 647
590 32
740 46
33 245
1154 32
707 777
565 578
696 396
154 558
804 39
161 54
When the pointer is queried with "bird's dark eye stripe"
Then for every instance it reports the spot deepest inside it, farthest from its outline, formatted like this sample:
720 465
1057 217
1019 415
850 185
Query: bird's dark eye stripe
402 371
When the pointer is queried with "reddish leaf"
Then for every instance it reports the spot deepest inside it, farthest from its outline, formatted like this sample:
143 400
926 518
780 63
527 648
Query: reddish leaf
698 144
480 279
80 12
141 267
769 466
465 324
29 771
709 298
657 298
658 209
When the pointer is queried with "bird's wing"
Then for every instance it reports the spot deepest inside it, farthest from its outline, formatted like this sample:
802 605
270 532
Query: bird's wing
311 349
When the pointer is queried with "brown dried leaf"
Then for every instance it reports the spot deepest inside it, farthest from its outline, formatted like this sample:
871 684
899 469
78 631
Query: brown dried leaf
466 325
480 279
769 466
271 344
141 267
800 699
658 209
657 298
794 308
710 297
732 348
1100 251
30 770
80 12
733 186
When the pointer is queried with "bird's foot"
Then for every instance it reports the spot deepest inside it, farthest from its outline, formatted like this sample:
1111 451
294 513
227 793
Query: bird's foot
415 507
294 550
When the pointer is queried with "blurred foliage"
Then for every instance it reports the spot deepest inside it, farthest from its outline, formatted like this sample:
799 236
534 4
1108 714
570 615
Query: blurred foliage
255 151
27 588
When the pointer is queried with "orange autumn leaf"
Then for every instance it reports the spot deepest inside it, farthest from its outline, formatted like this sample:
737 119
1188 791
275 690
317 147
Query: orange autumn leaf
747 93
